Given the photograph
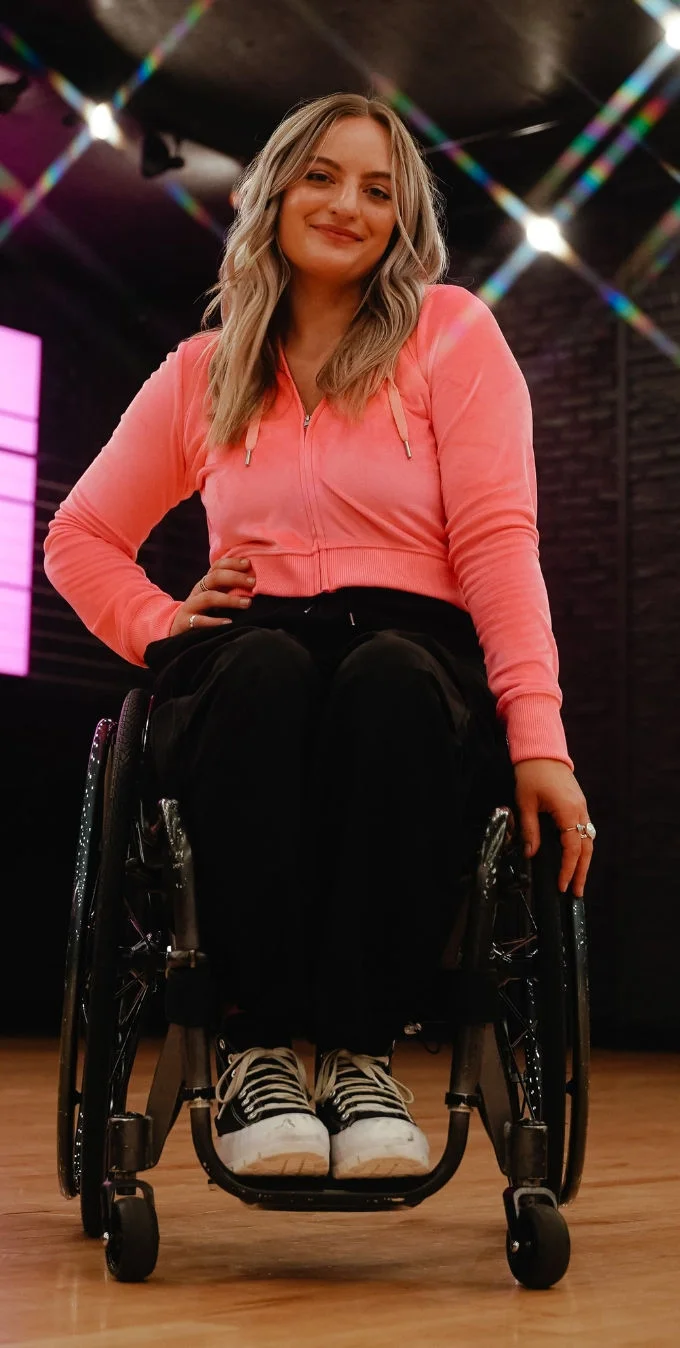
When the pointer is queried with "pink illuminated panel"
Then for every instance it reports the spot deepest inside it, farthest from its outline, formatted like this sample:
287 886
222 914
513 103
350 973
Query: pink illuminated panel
20 356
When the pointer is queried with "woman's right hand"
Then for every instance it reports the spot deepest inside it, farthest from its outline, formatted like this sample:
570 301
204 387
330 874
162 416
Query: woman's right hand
223 577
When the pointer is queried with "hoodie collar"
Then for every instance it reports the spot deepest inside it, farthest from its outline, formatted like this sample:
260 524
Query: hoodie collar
396 407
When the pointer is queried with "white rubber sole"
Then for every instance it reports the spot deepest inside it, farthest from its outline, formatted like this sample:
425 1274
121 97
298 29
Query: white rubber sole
379 1149
287 1144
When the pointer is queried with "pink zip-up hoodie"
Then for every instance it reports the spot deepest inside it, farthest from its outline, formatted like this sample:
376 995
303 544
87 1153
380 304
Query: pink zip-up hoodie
434 492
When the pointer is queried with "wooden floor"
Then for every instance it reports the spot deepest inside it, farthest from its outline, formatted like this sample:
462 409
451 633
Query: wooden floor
435 1276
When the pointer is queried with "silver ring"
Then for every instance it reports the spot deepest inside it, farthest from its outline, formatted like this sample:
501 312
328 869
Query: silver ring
192 620
202 584
586 830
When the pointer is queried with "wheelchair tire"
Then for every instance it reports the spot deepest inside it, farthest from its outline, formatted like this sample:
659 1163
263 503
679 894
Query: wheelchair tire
544 993
132 1240
539 1250
105 1078
578 1040
552 995
84 887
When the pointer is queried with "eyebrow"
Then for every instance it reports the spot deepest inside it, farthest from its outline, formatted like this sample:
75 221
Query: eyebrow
377 173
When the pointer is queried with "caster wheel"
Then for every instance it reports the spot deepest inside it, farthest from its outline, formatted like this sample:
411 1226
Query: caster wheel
132 1243
539 1250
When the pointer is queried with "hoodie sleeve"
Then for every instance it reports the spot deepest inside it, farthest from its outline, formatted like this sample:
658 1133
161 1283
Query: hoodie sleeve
93 540
482 420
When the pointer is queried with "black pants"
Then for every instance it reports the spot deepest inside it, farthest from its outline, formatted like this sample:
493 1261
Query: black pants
335 760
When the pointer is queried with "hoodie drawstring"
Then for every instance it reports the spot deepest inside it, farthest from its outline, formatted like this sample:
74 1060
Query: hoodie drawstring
251 436
396 406
398 414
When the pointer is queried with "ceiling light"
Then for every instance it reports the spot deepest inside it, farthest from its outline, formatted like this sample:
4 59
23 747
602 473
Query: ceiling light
543 233
102 123
671 29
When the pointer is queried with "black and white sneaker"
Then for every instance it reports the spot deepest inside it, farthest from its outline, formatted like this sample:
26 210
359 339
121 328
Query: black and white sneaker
265 1124
364 1109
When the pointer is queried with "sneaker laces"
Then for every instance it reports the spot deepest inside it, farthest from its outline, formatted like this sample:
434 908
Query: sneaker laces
361 1082
285 1084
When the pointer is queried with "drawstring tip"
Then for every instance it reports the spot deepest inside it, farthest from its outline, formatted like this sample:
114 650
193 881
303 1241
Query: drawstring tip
248 454
407 447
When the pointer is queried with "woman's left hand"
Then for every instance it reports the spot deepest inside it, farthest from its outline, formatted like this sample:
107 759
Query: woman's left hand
547 785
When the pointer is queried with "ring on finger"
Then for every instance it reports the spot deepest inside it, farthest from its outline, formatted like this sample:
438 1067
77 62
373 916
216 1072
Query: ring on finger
202 584
584 830
192 620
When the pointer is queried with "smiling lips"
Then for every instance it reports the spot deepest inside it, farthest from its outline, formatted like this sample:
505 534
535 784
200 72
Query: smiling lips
338 233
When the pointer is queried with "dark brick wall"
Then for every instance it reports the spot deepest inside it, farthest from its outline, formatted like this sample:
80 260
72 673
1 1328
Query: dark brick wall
649 989
606 438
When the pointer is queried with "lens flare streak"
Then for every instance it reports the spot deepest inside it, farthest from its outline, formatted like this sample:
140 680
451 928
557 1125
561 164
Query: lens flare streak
659 9
602 168
498 284
158 54
194 208
606 119
657 249
47 180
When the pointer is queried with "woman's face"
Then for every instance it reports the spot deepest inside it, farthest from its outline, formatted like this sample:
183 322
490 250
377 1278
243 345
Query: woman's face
346 185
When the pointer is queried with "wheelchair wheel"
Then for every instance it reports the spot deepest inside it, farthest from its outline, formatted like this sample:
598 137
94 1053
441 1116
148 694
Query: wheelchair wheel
539 952
84 885
132 1241
539 1251
116 973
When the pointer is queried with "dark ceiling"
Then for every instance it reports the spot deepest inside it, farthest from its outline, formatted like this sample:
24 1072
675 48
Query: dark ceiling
481 69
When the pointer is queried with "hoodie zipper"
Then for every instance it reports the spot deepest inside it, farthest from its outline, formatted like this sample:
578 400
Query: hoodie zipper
308 417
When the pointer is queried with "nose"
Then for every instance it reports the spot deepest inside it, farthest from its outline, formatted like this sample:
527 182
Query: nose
346 197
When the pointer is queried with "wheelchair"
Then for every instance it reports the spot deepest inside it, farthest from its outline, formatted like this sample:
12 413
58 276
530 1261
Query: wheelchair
516 1014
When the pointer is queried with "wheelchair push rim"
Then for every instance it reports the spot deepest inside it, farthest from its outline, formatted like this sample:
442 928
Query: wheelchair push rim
84 886
117 974
542 1031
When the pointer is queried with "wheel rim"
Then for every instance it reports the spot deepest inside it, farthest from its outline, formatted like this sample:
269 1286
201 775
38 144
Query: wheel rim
84 888
528 957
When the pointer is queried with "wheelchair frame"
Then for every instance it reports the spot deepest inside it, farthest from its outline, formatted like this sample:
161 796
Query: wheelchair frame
128 856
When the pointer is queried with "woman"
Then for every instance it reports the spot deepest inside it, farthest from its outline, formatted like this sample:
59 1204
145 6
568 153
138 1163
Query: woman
361 438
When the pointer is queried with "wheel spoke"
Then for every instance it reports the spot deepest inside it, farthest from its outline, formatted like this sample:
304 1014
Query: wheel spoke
131 1025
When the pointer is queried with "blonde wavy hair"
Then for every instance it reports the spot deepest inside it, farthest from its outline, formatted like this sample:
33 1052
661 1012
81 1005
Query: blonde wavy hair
254 273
